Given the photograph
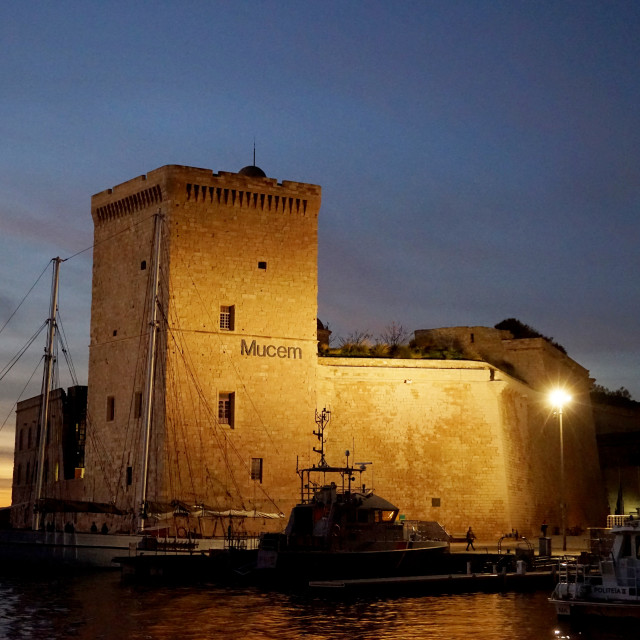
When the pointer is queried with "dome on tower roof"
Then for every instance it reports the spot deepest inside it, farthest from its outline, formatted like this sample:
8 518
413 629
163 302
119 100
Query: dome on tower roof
251 171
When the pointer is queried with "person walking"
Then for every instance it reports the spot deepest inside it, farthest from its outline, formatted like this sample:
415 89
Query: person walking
470 538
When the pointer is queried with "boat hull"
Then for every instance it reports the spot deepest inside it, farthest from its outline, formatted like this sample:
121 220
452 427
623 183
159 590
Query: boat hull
86 550
307 564
599 608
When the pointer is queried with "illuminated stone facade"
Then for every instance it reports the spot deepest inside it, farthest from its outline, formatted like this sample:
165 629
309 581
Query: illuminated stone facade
463 442
236 372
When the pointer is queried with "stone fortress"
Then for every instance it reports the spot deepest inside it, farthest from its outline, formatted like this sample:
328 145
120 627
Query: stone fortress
238 377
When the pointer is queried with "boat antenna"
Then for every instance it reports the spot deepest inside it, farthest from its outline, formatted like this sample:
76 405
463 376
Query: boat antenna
322 420
46 389
254 151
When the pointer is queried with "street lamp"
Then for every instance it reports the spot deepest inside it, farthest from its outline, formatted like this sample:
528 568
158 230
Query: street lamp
559 398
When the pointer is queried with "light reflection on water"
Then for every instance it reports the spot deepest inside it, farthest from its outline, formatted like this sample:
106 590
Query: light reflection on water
100 606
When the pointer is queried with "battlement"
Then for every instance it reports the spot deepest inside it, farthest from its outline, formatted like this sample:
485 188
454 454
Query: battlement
203 185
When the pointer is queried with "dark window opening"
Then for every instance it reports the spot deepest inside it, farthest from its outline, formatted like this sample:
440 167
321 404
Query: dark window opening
435 502
137 405
111 408
256 469
115 332
129 476
262 265
226 408
227 318
143 265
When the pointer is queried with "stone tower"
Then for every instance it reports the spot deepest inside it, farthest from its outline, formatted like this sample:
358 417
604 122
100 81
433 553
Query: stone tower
235 377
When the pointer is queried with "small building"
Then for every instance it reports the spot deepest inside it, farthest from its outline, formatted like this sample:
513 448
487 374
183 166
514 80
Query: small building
64 451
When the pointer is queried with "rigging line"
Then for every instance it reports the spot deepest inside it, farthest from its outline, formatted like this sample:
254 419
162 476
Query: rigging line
25 297
95 244
132 435
213 419
220 437
15 404
179 433
237 372
22 351
216 431
62 336
179 382
101 454
99 448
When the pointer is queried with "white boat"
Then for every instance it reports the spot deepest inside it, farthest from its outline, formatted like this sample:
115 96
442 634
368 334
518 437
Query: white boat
608 587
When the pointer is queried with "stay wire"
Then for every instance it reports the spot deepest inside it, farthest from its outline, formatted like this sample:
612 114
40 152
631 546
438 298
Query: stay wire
21 352
25 297
15 404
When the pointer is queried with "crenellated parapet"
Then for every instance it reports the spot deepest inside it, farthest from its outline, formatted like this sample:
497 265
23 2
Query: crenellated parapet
242 190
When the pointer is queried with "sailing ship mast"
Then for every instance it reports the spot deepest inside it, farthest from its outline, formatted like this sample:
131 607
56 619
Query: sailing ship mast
46 389
150 374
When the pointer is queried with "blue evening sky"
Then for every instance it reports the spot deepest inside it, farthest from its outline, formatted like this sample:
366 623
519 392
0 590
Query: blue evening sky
479 159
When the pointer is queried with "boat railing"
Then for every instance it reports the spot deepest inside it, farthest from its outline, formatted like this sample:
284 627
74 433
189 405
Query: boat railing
623 520
241 541
572 573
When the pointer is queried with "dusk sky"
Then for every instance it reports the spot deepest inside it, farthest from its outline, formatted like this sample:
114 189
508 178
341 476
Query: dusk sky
478 160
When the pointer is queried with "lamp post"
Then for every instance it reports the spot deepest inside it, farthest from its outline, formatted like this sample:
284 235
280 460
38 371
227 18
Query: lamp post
559 398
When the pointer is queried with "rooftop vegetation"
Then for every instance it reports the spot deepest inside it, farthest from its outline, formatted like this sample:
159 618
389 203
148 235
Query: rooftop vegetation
521 330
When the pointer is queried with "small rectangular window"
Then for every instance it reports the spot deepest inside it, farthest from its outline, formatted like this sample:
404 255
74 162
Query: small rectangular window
256 469
227 318
111 408
137 405
129 476
226 408
262 265
435 502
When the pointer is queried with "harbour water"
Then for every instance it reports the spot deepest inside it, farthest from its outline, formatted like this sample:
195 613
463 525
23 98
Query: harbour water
101 606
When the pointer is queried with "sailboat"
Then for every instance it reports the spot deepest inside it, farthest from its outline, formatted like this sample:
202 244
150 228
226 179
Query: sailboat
151 527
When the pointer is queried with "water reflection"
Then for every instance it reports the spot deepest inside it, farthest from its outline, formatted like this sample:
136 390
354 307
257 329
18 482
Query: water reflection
102 607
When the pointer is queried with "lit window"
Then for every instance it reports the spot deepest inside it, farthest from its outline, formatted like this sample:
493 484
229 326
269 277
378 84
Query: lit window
256 469
226 408
227 319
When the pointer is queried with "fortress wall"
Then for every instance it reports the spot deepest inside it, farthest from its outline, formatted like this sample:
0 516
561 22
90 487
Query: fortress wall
451 441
